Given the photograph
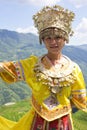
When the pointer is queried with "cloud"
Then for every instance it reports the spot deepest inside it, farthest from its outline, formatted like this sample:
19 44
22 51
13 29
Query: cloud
78 3
80 34
42 2
82 26
30 29
34 2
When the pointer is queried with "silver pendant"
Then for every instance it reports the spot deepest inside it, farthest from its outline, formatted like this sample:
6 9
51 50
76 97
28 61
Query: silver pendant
55 89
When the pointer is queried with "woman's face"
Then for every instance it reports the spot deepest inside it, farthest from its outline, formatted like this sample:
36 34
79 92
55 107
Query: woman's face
54 44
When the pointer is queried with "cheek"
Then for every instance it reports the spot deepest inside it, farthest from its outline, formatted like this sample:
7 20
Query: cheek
46 45
61 45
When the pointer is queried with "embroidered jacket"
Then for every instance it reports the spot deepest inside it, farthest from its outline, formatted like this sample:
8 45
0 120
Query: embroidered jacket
52 94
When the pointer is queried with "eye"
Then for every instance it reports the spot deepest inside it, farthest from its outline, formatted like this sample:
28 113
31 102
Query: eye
58 37
48 39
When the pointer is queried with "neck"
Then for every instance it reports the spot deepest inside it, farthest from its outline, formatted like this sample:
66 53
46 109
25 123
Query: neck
54 57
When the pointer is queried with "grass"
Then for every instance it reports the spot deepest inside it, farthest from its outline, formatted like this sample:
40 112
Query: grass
80 120
16 111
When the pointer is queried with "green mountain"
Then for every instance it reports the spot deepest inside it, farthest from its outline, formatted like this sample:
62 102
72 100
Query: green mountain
15 46
79 55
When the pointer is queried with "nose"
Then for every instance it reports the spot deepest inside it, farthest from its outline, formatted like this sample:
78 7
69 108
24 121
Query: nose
53 40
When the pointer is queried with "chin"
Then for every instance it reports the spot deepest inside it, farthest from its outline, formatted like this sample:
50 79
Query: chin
56 53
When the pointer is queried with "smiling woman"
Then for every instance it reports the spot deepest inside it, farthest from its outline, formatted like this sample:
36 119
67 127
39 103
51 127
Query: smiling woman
54 44
56 81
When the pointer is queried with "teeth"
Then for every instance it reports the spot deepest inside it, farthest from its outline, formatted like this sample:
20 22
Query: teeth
54 46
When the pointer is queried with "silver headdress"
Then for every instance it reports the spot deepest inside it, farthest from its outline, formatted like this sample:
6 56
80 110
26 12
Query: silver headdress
54 17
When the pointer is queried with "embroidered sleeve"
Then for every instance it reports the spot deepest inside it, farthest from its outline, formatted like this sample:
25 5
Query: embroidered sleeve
11 72
78 91
19 71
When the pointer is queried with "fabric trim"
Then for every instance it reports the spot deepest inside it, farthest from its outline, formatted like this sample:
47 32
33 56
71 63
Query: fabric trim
19 71
53 114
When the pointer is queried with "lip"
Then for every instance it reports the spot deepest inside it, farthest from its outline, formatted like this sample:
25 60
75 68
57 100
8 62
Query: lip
54 47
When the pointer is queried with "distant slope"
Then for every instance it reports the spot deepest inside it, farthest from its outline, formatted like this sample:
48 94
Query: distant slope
83 47
15 46
76 53
79 55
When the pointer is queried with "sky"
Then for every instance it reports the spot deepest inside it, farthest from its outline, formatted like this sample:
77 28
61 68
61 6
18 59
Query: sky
16 15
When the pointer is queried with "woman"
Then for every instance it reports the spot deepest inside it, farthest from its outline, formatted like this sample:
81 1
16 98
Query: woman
57 82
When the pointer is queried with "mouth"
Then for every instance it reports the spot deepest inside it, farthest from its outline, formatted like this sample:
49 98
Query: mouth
54 47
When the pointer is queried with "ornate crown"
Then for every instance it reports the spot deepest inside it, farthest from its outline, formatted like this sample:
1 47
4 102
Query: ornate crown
55 16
